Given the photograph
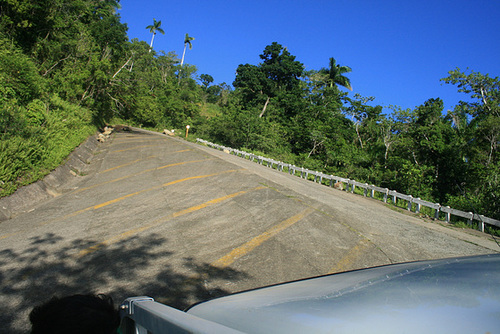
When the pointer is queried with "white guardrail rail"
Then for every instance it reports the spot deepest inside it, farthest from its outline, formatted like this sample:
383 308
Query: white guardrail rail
412 203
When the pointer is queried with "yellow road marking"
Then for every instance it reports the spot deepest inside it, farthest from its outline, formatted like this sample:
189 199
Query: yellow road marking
212 202
162 220
181 163
186 150
244 249
119 199
346 262
116 200
134 148
137 139
125 165
137 174
8 235
112 240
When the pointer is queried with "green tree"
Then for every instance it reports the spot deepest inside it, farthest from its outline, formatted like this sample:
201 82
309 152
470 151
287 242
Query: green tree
187 41
206 80
425 153
334 75
154 28
277 77
477 123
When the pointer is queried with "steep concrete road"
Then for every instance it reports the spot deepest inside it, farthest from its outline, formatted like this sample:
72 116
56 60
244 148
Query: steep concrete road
182 222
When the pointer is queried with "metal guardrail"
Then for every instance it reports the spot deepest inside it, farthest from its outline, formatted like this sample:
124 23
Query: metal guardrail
142 315
412 202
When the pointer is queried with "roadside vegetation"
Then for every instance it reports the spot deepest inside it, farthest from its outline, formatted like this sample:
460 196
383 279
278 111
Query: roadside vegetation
67 68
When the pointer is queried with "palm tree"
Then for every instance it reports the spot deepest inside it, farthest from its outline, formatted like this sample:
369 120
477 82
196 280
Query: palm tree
335 75
153 29
187 40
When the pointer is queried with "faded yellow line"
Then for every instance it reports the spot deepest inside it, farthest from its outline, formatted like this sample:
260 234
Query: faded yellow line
212 202
346 262
186 150
116 200
127 164
137 174
112 240
119 199
244 249
5 236
137 139
160 221
181 163
134 148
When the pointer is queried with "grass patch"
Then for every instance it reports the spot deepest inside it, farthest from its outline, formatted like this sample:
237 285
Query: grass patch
40 140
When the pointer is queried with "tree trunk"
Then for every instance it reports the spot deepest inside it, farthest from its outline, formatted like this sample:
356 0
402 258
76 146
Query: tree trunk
183 54
151 45
359 137
315 144
57 63
265 107
121 68
387 147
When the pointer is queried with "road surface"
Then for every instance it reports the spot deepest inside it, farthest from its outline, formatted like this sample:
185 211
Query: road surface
182 222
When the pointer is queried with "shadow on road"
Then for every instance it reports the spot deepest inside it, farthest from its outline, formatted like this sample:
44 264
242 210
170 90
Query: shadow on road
51 267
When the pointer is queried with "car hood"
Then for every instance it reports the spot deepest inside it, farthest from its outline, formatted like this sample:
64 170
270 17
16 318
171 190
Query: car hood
459 295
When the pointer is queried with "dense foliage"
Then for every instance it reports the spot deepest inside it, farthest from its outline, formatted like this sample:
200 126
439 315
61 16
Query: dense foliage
67 67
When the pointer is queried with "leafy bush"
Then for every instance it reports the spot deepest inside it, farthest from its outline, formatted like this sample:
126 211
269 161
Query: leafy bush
19 76
44 135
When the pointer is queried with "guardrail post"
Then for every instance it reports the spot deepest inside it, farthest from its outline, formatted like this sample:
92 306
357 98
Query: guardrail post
481 223
448 215
417 210
471 219
365 190
386 194
436 213
352 187
410 202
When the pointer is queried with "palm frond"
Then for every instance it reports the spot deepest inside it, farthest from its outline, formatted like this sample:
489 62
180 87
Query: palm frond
187 40
335 75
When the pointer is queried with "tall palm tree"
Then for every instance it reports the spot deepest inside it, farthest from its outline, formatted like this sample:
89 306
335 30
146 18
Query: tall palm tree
187 40
153 29
335 75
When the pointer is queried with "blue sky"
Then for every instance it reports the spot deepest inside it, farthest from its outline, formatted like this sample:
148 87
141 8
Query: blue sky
398 50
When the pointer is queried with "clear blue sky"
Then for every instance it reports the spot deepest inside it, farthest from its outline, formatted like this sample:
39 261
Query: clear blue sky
397 49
